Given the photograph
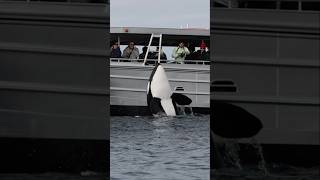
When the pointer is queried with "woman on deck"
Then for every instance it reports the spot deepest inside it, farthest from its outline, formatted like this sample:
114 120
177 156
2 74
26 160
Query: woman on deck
131 52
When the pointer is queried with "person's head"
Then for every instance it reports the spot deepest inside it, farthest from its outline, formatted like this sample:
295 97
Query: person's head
131 45
144 49
181 44
203 46
115 44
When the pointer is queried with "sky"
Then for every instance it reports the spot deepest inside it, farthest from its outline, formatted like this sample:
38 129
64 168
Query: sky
160 13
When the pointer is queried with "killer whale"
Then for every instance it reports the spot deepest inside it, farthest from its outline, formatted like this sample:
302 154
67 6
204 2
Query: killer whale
160 98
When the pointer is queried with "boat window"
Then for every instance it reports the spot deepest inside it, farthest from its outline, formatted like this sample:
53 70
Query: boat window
304 5
216 4
311 6
258 4
289 5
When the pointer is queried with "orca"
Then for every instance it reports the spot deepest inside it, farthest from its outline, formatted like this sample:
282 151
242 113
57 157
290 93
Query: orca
160 98
231 121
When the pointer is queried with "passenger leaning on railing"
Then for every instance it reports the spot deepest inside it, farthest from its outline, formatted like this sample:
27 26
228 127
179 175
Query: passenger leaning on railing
115 51
130 52
163 55
202 54
179 53
192 56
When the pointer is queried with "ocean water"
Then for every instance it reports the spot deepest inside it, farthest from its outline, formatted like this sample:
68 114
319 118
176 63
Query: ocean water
237 169
164 148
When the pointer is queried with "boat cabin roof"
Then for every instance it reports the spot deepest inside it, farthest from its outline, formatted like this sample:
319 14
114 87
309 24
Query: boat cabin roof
170 36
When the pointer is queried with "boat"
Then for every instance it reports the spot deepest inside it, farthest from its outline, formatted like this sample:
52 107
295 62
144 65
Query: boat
129 77
266 57
53 110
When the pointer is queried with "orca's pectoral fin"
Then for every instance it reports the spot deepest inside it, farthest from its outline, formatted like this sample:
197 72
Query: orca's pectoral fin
181 99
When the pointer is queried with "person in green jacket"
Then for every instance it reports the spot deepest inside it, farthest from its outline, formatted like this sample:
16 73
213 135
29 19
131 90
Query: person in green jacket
179 53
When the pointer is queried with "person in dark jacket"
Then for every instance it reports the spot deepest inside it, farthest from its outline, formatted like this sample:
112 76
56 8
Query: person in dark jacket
115 51
192 55
143 54
163 55
202 54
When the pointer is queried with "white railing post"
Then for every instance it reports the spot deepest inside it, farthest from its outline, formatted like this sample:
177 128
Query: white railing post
148 49
160 48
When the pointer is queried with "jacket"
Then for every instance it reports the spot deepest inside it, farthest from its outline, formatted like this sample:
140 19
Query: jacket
179 54
130 53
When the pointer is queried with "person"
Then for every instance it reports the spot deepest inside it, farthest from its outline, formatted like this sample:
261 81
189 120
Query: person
143 54
131 52
163 55
192 55
179 53
202 53
115 51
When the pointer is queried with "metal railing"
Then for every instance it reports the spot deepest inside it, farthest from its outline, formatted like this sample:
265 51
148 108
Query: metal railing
153 61
299 5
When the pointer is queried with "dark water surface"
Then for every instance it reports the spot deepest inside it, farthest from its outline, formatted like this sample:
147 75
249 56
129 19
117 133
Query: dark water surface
275 172
166 148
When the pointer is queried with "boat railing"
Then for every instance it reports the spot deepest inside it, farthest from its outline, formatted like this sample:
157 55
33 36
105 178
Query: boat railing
153 61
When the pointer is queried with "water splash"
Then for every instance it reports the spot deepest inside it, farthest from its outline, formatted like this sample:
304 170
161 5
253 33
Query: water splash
185 110
259 151
229 149
232 150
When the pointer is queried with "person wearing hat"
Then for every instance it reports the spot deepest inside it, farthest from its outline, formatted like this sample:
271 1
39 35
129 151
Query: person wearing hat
202 53
179 53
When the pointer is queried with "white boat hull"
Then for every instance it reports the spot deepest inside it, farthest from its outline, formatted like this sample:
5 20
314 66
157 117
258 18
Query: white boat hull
128 83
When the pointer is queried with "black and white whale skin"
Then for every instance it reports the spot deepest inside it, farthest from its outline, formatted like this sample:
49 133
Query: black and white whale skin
160 98
231 121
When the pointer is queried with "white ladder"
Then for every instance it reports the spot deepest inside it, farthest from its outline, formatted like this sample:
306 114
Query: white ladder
153 35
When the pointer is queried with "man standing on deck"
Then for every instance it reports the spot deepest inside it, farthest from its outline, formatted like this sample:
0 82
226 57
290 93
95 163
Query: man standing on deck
179 53
131 52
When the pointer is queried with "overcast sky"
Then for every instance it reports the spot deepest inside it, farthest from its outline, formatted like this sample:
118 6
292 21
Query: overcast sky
160 13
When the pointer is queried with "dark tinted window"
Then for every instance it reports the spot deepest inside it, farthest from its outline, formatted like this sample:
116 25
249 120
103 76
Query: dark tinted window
216 4
290 5
258 4
313 6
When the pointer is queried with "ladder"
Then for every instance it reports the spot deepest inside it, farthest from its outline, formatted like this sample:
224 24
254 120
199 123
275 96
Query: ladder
153 35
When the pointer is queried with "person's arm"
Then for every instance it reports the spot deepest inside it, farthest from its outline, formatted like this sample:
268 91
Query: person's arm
118 52
137 53
174 53
186 50
125 53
